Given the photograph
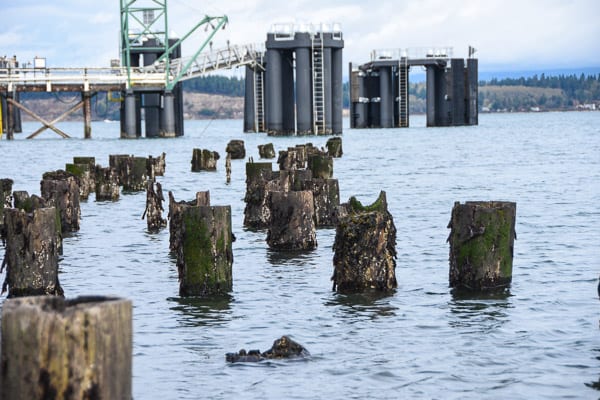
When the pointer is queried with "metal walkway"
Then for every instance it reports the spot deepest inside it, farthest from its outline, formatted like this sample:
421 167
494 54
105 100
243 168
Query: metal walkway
115 78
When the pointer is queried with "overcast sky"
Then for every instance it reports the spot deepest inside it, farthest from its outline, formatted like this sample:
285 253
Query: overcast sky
508 34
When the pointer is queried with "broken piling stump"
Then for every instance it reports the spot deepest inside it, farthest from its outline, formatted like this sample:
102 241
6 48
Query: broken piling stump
236 149
334 147
85 176
131 171
204 254
266 150
256 212
204 160
155 166
228 168
61 189
321 166
54 348
107 184
326 197
5 200
365 248
482 235
154 207
291 223
32 240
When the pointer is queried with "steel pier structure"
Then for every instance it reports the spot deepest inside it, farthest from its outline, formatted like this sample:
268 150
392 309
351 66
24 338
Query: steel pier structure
297 89
147 77
379 89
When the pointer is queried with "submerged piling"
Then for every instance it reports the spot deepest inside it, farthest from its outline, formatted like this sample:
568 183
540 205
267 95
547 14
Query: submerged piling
61 189
482 235
204 160
66 349
235 148
365 248
107 184
32 250
5 200
154 207
204 251
291 223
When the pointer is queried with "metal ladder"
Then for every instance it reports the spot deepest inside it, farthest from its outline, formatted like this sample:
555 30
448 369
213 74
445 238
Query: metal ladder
259 96
318 84
403 92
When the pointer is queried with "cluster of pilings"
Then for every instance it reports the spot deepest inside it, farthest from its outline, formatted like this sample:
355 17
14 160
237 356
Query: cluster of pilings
311 103
293 201
379 91
163 109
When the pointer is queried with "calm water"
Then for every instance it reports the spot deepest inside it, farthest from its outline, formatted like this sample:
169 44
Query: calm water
542 340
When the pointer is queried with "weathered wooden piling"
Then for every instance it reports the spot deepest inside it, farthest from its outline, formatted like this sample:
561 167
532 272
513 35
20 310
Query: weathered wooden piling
205 256
85 176
482 235
32 240
326 197
236 149
291 223
266 150
155 166
61 189
54 348
132 171
228 168
291 159
256 212
321 166
204 160
176 214
107 184
334 147
154 207
365 248
5 200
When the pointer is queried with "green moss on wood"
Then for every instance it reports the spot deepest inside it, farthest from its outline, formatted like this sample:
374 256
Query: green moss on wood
379 205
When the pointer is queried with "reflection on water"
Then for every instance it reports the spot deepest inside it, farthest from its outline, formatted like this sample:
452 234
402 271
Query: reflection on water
479 311
289 257
372 304
595 384
202 311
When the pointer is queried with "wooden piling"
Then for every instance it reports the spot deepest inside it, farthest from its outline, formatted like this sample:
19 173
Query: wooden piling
482 235
54 348
154 207
32 252
334 147
132 171
236 149
326 197
61 189
266 150
291 223
204 160
155 166
256 212
85 176
228 168
321 166
175 216
205 256
365 248
5 201
107 184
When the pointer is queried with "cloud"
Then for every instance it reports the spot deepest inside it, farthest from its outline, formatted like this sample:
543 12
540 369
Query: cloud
508 33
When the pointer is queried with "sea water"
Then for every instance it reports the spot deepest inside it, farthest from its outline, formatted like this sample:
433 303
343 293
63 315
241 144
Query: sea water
541 339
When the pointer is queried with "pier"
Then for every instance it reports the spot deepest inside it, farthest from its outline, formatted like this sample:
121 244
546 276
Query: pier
379 88
148 75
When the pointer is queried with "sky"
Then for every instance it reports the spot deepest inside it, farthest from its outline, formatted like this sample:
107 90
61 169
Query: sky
509 35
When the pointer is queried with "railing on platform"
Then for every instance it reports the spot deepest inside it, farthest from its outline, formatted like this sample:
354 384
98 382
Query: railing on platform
444 52
226 58
152 75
